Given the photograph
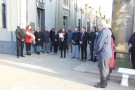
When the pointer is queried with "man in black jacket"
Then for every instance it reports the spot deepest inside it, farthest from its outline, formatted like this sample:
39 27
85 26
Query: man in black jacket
38 39
131 44
91 39
20 38
83 44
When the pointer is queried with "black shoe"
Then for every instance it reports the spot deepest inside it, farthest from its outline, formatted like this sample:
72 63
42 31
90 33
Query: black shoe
73 57
90 60
22 56
78 58
17 56
27 53
100 86
81 60
38 53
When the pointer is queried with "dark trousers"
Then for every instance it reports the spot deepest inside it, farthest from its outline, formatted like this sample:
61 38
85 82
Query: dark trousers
133 59
91 50
28 47
63 50
20 46
55 48
84 52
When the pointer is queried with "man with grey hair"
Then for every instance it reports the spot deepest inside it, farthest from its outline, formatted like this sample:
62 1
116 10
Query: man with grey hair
104 53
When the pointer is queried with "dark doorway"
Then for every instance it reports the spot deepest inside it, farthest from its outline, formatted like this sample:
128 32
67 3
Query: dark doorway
41 18
65 22
3 15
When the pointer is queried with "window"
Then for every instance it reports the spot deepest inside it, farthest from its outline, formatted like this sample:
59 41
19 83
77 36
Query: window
3 15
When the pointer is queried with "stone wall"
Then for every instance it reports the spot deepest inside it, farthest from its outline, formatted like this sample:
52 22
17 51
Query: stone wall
123 22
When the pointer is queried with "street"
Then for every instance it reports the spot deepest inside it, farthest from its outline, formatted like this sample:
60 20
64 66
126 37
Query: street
50 72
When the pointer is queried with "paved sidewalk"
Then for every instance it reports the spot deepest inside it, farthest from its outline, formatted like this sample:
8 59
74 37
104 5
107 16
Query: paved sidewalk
50 72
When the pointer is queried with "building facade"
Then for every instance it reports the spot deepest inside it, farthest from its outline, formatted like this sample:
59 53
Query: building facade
41 13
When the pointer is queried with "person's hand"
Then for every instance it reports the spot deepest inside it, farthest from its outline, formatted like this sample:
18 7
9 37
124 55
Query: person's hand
81 42
130 45
73 41
38 39
23 39
55 39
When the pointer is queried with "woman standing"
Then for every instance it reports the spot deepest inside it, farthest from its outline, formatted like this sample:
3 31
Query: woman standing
29 38
38 39
63 42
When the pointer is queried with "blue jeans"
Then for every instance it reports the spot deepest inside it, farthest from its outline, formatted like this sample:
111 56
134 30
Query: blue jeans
38 48
46 47
76 51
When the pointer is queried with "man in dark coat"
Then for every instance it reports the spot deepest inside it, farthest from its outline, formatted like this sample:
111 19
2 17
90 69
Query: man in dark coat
46 40
20 38
38 39
131 44
52 33
83 44
91 39
69 42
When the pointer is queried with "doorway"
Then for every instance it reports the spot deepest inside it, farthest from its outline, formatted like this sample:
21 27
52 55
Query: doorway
41 18
65 22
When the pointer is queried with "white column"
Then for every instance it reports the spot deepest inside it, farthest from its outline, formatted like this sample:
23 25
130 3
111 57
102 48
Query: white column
0 14
23 12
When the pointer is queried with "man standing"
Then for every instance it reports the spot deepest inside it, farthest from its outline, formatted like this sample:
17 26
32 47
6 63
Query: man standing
104 53
75 41
20 38
46 40
70 33
38 39
83 44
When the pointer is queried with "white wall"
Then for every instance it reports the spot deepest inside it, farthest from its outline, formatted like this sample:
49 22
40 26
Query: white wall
50 14
32 11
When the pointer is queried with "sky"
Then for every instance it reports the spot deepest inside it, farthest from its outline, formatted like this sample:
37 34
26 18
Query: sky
106 5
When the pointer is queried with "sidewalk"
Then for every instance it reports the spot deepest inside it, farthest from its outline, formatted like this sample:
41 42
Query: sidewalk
50 72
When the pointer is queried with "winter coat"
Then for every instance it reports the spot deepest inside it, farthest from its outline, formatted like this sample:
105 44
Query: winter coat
20 34
84 38
38 38
75 38
55 39
63 43
46 36
112 61
28 38
70 33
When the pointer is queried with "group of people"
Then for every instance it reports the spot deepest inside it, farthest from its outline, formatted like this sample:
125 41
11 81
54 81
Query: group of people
100 42
66 41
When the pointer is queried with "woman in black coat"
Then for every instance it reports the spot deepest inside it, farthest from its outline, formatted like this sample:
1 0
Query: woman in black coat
38 39
63 42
